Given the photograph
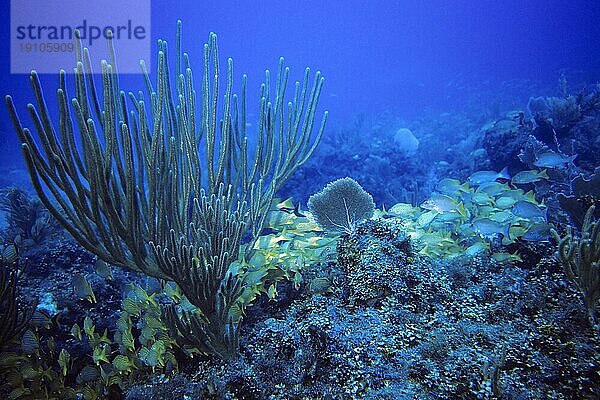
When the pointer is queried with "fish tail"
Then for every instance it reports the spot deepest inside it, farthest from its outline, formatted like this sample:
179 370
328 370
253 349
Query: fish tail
572 159
504 174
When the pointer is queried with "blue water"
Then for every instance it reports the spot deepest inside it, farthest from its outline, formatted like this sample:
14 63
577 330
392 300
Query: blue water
406 57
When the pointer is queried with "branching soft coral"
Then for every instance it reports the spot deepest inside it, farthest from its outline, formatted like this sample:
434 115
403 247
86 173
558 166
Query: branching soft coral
580 257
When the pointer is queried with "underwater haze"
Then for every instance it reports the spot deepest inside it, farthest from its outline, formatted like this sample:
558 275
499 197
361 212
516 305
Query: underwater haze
415 216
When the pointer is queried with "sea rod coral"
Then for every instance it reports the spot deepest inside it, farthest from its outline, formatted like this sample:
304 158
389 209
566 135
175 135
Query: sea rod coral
126 175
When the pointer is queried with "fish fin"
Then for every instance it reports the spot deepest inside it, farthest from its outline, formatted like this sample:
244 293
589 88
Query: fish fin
297 212
572 159
462 209
504 174
530 197
505 232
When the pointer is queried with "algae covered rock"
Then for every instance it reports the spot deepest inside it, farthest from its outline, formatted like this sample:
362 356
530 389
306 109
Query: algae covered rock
373 259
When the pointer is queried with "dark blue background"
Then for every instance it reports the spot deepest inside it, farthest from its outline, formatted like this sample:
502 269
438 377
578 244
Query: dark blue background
400 56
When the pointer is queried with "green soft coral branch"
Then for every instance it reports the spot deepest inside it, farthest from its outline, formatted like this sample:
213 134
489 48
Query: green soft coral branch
164 183
580 257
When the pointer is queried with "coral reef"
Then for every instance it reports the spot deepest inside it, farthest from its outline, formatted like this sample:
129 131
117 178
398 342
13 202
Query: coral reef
28 222
370 277
463 328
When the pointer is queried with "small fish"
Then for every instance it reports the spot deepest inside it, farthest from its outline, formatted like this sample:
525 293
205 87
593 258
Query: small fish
503 258
172 291
272 292
297 211
510 197
442 203
308 226
487 227
433 239
40 318
287 206
505 202
275 240
87 374
312 241
278 219
152 356
551 159
297 280
63 361
529 196
102 269
131 307
122 363
477 248
448 217
430 251
254 278
152 285
502 216
480 198
403 209
486 210
127 339
29 342
517 230
493 188
139 294
426 218
538 232
526 209
9 254
451 186
481 177
319 285
76 332
530 176
82 288
100 353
